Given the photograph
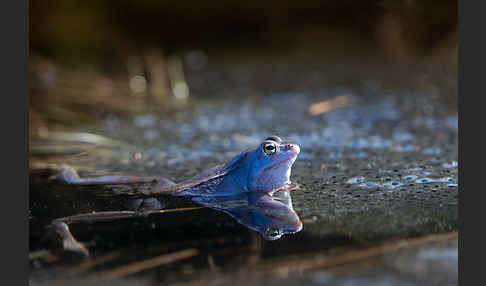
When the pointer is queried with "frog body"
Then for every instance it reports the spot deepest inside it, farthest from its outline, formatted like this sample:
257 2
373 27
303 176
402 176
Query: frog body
264 168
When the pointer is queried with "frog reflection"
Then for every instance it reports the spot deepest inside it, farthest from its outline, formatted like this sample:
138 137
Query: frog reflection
270 215
242 188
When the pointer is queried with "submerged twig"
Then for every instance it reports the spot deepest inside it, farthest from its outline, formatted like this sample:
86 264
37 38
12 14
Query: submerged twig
329 104
142 265
292 266
176 210
285 266
86 265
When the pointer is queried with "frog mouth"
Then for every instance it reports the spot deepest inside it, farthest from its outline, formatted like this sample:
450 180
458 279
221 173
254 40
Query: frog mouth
279 163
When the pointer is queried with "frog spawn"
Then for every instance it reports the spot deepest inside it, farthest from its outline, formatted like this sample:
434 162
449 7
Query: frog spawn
395 184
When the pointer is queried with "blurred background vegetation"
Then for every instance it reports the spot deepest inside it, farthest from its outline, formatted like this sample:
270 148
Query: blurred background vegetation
90 58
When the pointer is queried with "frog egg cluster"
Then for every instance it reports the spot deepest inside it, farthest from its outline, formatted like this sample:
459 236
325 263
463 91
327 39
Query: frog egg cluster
396 184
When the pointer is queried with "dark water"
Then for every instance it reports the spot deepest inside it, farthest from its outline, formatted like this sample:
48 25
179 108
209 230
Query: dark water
378 163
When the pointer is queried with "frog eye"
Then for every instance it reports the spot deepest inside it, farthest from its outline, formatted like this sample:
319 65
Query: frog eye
269 148
274 138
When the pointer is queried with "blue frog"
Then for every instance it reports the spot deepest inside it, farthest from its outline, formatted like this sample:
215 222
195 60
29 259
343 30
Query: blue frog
265 168
251 179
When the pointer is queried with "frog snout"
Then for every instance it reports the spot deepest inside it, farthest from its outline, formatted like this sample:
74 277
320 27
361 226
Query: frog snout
292 147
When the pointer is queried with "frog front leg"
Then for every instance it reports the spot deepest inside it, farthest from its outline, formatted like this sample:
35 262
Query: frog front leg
286 188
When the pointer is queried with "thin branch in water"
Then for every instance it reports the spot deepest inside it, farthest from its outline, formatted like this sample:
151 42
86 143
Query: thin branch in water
142 265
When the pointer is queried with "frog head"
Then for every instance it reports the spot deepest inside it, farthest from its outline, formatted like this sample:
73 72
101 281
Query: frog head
266 167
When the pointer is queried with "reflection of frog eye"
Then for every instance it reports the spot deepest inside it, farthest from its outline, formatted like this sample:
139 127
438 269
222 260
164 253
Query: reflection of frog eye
274 138
269 148
273 232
